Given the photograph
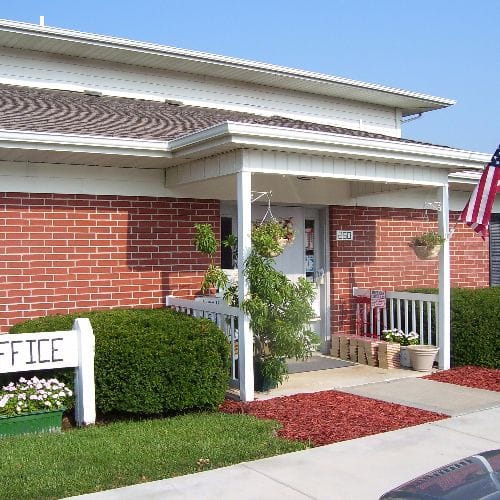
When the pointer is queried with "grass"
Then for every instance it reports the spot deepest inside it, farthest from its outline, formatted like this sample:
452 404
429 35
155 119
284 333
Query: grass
122 453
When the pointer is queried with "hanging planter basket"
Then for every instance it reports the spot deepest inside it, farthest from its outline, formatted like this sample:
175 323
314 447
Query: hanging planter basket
426 252
428 245
270 238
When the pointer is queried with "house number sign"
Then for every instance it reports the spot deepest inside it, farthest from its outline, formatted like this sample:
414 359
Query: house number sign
343 235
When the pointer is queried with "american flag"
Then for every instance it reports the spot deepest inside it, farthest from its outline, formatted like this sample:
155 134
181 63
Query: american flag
477 212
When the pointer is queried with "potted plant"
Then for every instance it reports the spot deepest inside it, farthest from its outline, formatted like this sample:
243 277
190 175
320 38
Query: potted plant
404 340
34 405
428 245
206 242
280 312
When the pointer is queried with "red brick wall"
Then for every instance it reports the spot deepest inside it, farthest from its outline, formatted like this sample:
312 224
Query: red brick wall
63 253
379 256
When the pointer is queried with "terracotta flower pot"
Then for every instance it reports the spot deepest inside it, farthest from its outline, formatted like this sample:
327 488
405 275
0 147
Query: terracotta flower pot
422 357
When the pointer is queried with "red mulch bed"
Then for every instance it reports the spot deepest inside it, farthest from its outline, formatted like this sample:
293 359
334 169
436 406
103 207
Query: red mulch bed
330 416
470 376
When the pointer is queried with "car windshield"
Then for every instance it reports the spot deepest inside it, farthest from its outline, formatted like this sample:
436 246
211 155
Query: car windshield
475 477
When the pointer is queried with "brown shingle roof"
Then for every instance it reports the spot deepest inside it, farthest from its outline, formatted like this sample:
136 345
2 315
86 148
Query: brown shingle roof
40 110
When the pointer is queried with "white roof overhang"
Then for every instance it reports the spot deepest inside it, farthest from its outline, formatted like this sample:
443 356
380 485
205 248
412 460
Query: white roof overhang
218 138
106 48
87 150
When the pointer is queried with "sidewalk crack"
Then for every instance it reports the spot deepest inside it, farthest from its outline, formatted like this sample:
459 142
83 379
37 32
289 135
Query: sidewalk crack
279 482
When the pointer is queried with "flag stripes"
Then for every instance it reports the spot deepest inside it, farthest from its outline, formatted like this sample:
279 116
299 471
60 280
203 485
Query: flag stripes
477 212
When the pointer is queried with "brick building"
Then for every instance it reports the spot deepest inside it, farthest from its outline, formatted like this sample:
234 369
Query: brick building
111 150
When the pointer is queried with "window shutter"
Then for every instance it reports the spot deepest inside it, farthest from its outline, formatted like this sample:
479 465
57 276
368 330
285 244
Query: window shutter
495 250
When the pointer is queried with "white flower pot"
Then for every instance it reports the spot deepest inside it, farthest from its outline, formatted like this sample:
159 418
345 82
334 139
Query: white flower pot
422 357
404 357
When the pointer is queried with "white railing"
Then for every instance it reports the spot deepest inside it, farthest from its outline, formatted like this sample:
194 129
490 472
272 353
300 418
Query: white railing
224 316
406 311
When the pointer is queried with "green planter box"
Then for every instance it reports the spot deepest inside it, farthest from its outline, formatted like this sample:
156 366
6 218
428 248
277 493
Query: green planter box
41 421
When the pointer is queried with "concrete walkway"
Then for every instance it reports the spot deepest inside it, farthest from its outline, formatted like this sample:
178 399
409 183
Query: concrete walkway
338 378
449 399
362 468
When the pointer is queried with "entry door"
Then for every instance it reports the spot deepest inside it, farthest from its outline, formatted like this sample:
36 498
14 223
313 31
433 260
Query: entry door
304 257
314 267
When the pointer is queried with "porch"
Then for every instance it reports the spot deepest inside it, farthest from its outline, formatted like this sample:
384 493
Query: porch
341 378
405 311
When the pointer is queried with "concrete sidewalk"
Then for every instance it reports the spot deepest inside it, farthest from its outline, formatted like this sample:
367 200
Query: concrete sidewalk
362 468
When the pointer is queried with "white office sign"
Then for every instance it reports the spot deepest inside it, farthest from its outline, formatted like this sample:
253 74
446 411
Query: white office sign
38 351
343 235
49 350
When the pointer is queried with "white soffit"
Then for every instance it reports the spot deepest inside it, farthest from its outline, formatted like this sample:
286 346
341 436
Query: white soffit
230 136
78 44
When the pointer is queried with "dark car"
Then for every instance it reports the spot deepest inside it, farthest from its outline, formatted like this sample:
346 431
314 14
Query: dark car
472 478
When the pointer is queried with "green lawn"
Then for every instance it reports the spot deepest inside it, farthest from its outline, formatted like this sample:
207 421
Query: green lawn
123 453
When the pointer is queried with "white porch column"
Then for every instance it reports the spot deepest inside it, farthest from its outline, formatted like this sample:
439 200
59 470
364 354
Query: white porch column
444 282
244 181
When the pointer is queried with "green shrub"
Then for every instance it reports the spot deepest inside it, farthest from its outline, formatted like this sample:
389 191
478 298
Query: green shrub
475 326
151 361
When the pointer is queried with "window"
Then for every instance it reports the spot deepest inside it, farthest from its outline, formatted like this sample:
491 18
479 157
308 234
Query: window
495 250
226 254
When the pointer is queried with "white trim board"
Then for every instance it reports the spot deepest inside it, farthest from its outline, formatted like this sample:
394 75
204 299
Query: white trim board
106 48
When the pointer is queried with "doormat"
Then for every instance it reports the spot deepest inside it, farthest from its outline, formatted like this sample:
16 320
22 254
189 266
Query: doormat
316 363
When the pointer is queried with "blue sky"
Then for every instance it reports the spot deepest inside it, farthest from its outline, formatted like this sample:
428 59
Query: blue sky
448 48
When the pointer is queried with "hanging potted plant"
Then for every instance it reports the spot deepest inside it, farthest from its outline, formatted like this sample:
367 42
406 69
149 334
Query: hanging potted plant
428 245
271 237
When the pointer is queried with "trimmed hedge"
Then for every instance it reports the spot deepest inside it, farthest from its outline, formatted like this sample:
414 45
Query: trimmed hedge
151 361
475 326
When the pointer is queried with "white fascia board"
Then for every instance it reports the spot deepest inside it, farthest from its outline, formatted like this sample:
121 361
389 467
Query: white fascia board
280 76
44 141
471 178
233 135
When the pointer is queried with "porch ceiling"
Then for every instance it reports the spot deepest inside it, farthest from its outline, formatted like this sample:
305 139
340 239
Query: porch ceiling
290 190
